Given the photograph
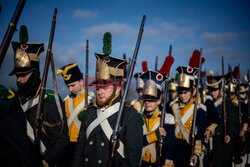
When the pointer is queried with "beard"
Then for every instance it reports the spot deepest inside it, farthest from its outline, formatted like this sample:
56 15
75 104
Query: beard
30 87
101 103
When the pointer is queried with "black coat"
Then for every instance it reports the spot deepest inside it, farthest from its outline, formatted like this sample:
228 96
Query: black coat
57 141
222 152
16 149
94 151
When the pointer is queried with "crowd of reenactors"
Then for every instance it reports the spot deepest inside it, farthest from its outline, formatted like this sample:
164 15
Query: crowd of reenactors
187 120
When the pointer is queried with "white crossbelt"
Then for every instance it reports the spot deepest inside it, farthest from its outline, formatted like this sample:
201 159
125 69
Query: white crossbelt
107 113
150 146
74 112
103 122
108 132
30 132
181 121
218 102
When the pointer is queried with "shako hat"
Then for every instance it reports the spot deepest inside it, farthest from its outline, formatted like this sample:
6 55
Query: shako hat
109 69
153 83
26 55
214 82
187 77
70 73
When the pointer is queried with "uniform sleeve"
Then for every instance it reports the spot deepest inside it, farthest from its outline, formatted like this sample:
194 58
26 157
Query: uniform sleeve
79 154
57 138
133 139
169 145
233 124
212 115
201 122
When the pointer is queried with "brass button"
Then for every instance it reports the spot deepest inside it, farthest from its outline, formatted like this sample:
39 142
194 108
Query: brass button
99 161
102 143
90 142
86 159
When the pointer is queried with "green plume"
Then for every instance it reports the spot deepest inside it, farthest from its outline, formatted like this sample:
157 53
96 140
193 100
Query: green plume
23 34
107 40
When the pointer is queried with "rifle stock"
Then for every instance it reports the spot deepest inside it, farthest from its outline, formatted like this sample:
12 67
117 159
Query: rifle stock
195 110
114 136
39 114
10 31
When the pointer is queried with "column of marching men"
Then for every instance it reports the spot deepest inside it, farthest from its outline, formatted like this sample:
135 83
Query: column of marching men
81 137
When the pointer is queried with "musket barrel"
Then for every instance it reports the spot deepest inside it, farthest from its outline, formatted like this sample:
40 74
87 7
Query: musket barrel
86 73
11 29
114 137
39 114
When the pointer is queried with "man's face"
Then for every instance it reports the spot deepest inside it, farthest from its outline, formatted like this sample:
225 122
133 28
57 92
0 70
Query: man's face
185 96
104 92
215 93
22 79
151 105
140 93
75 87
173 94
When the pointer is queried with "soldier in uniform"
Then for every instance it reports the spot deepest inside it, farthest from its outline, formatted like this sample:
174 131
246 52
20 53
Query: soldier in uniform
172 87
54 137
138 103
183 110
222 148
74 103
16 148
151 129
99 120
244 134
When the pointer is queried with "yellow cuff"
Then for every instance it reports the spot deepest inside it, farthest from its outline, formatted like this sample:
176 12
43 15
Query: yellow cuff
245 125
168 163
197 147
212 127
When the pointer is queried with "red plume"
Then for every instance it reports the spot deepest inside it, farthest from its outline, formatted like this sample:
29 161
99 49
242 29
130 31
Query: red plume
203 73
194 60
144 66
169 60
236 72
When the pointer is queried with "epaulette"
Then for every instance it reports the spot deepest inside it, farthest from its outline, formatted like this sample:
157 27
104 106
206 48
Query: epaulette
141 118
174 101
50 96
6 93
206 97
82 113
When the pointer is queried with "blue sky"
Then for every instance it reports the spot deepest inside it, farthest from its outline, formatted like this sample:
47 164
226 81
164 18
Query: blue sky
220 27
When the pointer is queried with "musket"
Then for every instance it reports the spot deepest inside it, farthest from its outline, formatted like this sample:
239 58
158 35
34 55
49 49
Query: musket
194 129
238 95
114 136
165 102
86 73
39 115
156 63
202 85
223 97
10 31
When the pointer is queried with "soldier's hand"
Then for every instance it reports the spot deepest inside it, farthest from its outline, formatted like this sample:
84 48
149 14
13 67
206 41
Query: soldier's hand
194 159
162 131
242 133
207 134
227 139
